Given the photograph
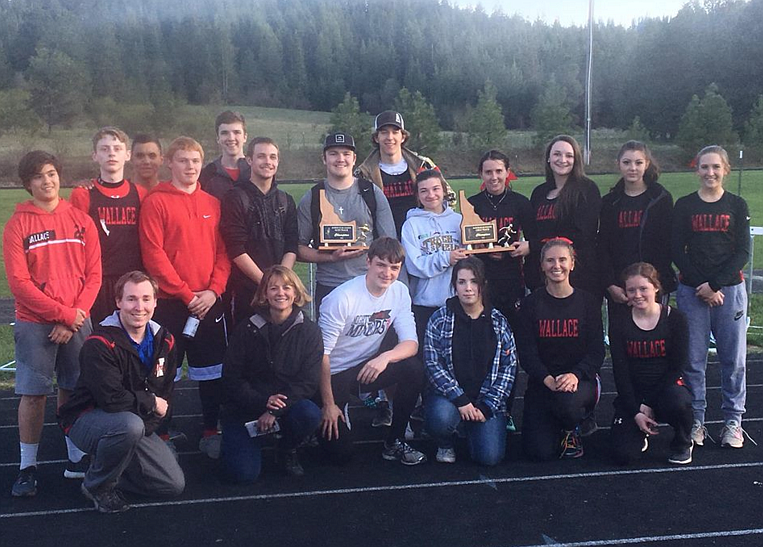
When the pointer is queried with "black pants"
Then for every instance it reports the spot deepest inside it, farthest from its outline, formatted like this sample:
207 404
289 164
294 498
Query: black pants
421 315
408 375
671 405
547 413
505 296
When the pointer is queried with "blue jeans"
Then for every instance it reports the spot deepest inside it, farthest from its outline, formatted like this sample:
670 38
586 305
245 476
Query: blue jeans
241 455
486 440
728 323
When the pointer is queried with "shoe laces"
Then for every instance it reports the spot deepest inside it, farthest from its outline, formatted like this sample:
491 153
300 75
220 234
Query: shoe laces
737 430
704 431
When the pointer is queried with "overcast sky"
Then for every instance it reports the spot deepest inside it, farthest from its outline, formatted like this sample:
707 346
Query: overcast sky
575 12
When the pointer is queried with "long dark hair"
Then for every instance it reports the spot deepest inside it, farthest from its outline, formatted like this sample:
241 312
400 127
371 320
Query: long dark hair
652 173
572 192
477 267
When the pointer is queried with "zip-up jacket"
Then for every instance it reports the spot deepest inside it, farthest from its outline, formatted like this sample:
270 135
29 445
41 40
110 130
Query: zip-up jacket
255 367
114 379
52 262
181 242
654 236
216 181
438 361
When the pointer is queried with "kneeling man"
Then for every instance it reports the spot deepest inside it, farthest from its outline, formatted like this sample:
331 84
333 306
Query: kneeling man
127 372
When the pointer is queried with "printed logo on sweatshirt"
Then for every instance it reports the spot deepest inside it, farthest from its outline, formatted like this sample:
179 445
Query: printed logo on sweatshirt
546 212
558 328
398 189
646 349
40 237
430 243
370 325
629 219
710 223
118 216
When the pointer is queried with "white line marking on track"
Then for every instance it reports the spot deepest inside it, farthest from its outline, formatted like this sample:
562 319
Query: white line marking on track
398 487
652 539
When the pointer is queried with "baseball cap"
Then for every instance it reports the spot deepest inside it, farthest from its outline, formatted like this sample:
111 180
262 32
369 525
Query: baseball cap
335 140
389 117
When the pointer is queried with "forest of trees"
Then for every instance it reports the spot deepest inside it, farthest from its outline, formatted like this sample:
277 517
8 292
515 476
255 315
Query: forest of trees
59 57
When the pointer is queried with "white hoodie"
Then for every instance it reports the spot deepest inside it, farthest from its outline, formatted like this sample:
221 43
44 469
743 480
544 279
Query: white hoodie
428 239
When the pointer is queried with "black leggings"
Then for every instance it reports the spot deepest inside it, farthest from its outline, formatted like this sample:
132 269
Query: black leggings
547 413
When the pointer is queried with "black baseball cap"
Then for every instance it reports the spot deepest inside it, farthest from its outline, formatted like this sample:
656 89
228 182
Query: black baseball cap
389 117
336 140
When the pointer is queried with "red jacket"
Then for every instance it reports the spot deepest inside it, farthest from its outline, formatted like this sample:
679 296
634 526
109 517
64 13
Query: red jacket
181 243
52 261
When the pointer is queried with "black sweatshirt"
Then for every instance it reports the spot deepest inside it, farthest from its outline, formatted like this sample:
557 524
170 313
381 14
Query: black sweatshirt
636 229
560 335
711 241
646 362
507 209
473 351
580 227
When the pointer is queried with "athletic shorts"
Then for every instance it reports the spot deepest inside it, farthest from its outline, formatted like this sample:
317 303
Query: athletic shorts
206 350
37 358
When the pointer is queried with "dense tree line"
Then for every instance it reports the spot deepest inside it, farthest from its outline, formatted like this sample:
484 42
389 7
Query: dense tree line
308 55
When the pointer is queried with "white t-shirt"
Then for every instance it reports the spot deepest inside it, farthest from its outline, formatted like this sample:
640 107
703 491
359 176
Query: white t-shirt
354 322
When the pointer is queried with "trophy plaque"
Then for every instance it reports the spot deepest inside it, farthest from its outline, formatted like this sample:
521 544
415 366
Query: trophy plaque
479 236
333 232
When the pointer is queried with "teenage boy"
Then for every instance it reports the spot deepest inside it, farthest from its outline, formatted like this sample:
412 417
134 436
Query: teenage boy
393 167
352 199
220 175
113 203
259 225
53 265
146 159
182 248
124 390
354 320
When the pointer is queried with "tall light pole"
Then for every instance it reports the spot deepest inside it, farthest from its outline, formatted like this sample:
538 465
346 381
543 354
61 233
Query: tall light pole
589 67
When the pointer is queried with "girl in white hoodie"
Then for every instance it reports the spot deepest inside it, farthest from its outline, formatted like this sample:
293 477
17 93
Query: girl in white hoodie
432 240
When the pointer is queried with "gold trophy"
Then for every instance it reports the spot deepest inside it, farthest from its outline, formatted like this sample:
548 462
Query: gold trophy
479 236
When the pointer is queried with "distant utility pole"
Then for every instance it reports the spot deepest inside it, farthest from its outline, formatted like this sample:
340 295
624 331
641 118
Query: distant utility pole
587 146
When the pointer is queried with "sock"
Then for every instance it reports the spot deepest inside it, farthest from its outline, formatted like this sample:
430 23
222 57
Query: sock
75 454
28 454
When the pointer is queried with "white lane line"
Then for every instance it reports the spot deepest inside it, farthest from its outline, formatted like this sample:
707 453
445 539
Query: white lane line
399 487
652 539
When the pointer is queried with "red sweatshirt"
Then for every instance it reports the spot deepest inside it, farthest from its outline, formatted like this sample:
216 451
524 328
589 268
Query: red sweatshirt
52 261
181 243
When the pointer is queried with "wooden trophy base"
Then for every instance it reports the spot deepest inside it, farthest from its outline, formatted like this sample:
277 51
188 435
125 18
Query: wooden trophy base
493 249
331 247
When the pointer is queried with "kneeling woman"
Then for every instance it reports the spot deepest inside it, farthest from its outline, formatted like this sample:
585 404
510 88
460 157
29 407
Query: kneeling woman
271 369
561 347
471 363
650 349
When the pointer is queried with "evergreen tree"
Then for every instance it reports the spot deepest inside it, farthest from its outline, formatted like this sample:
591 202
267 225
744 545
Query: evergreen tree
706 121
637 131
551 115
753 127
15 114
420 121
485 123
347 118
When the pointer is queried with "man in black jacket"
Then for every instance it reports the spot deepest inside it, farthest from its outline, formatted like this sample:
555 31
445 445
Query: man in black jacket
124 390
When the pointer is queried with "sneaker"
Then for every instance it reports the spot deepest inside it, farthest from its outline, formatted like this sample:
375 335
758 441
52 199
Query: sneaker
77 470
106 501
572 446
383 416
511 427
210 446
588 425
418 413
403 452
176 435
645 446
731 434
698 433
446 455
26 483
682 457
289 462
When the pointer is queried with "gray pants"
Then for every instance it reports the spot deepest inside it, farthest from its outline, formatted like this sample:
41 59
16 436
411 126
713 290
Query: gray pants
728 323
122 455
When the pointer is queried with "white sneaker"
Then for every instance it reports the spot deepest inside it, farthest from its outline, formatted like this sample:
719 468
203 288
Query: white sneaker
211 446
731 434
698 433
446 455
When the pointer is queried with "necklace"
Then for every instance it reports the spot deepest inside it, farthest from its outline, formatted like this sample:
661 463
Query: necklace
490 199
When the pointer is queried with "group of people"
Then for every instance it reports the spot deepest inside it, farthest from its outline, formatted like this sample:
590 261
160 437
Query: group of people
200 267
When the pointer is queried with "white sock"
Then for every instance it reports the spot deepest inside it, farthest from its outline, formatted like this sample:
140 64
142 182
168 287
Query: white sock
75 454
28 454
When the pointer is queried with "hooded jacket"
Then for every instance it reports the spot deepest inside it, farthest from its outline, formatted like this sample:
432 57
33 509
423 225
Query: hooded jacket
181 243
654 235
52 262
428 239
114 379
216 181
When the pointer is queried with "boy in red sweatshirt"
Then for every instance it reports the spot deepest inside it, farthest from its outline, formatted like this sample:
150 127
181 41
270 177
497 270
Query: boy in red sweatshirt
182 248
113 203
53 265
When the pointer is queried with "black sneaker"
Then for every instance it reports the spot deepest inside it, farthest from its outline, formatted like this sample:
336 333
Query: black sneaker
588 425
572 446
289 463
418 413
26 483
106 501
403 452
383 416
77 470
682 457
